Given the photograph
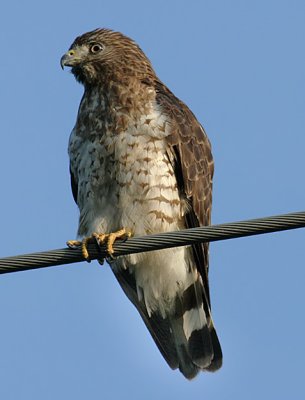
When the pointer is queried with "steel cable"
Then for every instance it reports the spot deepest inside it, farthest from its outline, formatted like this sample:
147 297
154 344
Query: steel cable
156 242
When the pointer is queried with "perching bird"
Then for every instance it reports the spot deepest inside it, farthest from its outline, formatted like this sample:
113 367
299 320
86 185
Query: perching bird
140 162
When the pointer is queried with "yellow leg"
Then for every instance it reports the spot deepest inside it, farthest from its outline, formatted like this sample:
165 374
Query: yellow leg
74 243
83 244
110 238
100 238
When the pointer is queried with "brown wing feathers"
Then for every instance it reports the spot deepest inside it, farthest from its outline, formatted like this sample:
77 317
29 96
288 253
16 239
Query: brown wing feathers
194 168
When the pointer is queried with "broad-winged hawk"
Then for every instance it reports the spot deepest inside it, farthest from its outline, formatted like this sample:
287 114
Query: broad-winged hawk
140 160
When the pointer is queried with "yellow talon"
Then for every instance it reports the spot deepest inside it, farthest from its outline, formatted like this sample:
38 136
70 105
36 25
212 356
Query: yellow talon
110 238
73 243
82 244
85 248
100 238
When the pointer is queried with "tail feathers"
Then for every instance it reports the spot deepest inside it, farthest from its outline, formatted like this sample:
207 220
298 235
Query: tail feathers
217 359
196 343
186 365
194 353
195 338
186 336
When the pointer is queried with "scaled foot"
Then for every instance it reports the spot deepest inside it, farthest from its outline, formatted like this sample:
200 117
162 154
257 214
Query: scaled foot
100 238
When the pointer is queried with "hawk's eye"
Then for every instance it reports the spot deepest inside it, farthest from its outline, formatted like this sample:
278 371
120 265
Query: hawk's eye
96 47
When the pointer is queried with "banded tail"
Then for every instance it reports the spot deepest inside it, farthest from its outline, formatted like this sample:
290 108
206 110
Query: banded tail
186 336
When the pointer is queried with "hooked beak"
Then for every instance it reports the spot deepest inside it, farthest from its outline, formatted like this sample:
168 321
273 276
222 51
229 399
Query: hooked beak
69 59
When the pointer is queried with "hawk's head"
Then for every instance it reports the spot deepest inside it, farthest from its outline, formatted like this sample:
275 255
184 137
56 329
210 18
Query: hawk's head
103 55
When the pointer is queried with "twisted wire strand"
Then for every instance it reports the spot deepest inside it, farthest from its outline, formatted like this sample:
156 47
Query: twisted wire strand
156 242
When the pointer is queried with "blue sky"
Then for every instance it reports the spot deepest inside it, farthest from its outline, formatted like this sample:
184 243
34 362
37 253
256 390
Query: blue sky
69 332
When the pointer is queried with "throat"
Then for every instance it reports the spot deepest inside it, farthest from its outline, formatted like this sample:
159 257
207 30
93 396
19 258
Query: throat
121 96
